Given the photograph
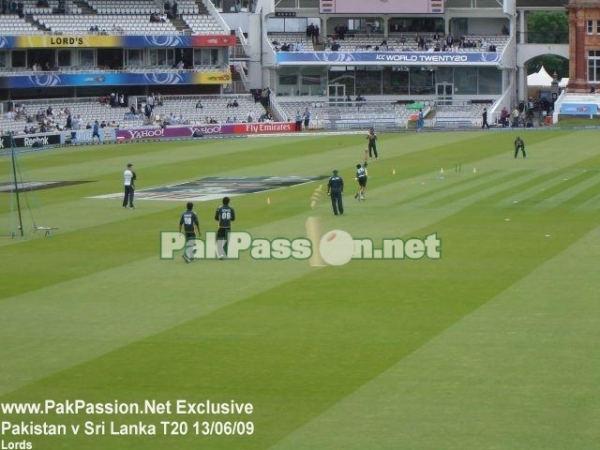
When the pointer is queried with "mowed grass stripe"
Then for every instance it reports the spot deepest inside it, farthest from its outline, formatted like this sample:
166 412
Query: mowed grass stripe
476 189
568 192
105 219
236 345
552 183
581 197
406 216
308 350
421 189
65 324
107 236
519 372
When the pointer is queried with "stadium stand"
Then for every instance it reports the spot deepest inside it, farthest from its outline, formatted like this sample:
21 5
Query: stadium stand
13 25
409 43
382 114
390 85
459 116
174 110
297 41
203 24
106 23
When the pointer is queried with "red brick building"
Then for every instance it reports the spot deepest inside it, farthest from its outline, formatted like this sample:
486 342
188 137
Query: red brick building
584 49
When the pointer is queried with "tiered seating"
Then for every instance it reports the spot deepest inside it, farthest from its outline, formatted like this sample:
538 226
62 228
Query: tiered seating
203 24
349 115
306 44
108 23
89 110
369 43
183 108
408 43
460 115
214 108
146 7
187 7
30 7
13 25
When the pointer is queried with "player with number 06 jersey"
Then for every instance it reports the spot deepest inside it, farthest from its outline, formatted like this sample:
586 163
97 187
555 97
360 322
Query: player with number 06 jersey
225 214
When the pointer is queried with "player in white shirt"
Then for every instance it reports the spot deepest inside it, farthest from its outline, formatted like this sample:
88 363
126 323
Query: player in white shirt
129 177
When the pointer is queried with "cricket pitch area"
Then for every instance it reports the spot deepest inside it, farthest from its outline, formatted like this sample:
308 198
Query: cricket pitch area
211 188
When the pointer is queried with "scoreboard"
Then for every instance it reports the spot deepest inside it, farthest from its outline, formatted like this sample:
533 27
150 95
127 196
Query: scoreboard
381 6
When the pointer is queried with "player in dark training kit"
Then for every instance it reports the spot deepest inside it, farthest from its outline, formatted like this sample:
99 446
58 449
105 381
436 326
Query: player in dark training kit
372 146
361 177
335 189
189 224
225 214
520 146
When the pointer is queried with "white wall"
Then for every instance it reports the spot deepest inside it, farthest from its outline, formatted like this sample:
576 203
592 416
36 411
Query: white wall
486 26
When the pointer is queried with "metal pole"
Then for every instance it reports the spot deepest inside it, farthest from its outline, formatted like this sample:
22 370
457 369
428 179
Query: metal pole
14 170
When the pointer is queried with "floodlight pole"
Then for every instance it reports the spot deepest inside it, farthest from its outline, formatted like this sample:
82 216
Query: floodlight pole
14 170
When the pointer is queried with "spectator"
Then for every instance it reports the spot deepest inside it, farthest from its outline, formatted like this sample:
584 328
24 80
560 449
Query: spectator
504 117
515 117
484 116
148 110
96 131
420 121
306 117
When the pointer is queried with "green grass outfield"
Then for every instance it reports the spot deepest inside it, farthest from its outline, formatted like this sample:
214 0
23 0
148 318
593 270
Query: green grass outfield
493 346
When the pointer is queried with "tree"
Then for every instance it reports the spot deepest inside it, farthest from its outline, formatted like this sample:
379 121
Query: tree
548 27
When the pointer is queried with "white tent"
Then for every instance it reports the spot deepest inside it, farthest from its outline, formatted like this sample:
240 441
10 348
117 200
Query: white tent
540 78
